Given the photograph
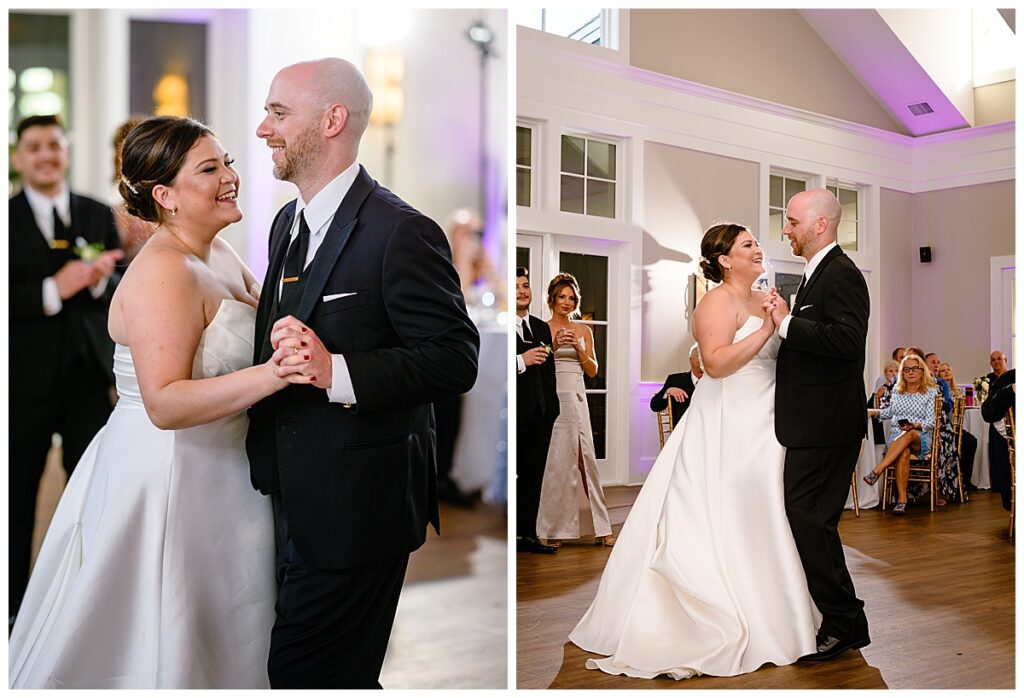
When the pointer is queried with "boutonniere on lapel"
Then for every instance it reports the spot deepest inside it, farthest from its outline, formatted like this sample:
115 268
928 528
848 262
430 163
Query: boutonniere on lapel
88 252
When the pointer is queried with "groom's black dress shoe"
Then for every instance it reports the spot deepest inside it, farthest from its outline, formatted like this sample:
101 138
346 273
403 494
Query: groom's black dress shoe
830 647
526 544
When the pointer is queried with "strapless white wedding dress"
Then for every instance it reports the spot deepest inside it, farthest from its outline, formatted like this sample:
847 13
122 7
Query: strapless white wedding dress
705 577
157 570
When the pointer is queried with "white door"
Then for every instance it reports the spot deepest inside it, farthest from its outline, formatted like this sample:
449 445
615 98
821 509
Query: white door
1003 286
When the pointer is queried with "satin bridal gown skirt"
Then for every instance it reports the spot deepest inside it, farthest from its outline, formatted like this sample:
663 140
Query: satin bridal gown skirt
705 577
157 570
569 506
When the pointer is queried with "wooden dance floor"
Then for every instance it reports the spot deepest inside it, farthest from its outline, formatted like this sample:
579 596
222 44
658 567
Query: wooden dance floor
938 588
451 630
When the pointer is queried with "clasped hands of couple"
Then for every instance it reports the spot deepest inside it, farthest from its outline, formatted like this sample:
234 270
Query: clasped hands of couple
775 309
299 356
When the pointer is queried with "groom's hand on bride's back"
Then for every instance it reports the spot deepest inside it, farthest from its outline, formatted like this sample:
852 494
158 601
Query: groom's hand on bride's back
297 350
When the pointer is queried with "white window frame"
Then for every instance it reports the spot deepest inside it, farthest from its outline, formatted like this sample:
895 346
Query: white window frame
587 137
534 159
859 220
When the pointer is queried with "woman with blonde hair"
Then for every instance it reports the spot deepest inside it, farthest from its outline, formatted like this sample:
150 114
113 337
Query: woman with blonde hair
912 411
571 470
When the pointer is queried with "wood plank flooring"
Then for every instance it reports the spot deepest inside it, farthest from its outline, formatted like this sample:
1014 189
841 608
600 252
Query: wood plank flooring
451 630
938 588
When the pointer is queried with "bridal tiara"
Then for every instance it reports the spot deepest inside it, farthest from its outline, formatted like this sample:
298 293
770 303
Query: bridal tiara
131 187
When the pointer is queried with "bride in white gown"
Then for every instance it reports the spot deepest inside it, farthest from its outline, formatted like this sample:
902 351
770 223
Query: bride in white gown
705 577
157 570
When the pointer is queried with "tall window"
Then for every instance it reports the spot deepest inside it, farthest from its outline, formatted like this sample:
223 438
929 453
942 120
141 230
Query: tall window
588 177
592 273
37 79
580 24
848 227
524 166
780 189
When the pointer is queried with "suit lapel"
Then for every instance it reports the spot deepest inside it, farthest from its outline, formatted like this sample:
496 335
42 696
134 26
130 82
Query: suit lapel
335 239
33 238
809 284
268 297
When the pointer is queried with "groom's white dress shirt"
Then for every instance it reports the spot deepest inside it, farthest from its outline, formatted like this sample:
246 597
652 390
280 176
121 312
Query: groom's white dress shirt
520 364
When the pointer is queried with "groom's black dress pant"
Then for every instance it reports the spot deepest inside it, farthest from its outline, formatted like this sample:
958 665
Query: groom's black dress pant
332 626
817 483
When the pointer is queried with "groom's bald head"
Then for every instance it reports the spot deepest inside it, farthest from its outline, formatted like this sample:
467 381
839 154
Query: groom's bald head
333 82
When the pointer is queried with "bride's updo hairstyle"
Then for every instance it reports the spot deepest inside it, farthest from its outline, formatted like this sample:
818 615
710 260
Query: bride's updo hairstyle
153 153
561 281
717 241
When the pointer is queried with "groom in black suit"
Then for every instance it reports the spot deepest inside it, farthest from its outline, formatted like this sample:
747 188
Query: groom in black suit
60 294
819 410
361 298
536 411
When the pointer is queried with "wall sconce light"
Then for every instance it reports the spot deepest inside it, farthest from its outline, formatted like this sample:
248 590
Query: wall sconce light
385 70
171 96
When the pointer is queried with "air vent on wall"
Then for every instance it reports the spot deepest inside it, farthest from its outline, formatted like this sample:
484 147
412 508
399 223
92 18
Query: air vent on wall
920 109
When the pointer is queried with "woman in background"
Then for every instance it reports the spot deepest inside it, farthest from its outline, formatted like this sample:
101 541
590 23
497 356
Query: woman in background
571 470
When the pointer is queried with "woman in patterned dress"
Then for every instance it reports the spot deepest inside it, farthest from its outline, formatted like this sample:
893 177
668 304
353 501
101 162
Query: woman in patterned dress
913 400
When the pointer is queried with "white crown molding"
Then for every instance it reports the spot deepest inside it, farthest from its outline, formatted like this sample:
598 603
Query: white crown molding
581 86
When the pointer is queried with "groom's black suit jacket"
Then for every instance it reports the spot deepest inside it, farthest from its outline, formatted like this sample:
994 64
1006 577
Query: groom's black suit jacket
358 484
819 393
79 330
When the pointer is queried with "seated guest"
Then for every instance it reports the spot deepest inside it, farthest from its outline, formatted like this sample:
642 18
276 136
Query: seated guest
968 441
883 393
679 387
949 457
1001 394
997 360
913 404
897 355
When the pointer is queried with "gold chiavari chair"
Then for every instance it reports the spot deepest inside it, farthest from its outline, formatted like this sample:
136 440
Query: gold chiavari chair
959 406
1011 438
924 467
665 423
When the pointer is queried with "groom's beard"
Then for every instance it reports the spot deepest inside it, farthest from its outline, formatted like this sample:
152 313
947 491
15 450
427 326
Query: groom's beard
298 155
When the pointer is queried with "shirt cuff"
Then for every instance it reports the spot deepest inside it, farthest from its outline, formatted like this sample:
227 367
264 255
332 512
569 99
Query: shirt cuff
784 326
341 389
520 364
52 303
99 288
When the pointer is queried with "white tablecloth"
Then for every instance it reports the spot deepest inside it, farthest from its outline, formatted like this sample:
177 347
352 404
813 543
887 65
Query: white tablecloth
867 495
979 427
477 446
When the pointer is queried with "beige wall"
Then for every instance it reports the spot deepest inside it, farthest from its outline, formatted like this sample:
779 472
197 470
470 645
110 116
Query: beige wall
770 54
965 227
685 191
896 316
994 104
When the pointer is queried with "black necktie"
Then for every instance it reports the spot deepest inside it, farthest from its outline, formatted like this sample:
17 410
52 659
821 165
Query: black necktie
59 231
292 278
527 335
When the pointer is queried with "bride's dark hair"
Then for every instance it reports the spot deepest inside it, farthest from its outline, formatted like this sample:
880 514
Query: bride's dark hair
152 153
717 241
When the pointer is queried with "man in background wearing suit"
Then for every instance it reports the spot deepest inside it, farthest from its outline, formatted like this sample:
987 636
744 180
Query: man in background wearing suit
679 387
1001 395
63 252
349 459
819 410
536 411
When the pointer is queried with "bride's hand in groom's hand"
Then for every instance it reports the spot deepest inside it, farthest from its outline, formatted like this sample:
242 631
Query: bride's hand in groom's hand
779 310
299 351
